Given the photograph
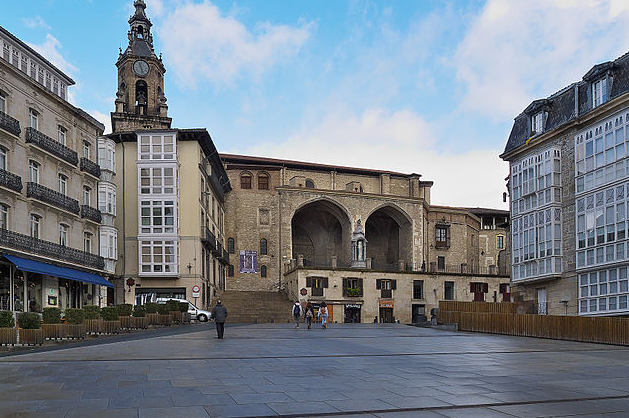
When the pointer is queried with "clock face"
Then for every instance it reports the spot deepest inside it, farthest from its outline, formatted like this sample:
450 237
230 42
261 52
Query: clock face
141 68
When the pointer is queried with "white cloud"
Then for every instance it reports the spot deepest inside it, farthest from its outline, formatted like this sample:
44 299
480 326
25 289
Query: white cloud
50 50
102 118
400 141
515 50
35 22
203 44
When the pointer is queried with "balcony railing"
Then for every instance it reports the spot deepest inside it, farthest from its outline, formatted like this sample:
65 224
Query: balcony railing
218 251
208 238
9 124
91 213
40 247
225 258
54 147
10 180
52 197
386 293
90 167
317 291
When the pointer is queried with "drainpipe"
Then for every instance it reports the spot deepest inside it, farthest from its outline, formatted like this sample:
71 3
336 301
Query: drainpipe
124 229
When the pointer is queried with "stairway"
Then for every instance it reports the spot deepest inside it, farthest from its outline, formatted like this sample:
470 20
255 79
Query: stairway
256 307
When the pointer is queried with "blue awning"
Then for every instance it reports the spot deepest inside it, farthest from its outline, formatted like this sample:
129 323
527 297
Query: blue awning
56 271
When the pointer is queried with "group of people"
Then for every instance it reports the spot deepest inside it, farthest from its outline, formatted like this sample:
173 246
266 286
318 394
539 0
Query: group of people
309 314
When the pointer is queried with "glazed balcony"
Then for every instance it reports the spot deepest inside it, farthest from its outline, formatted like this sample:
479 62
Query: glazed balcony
91 213
40 247
10 181
48 144
90 167
9 124
52 197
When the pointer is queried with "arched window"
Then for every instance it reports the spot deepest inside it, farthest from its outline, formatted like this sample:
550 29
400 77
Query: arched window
263 249
262 271
230 271
263 181
230 245
245 180
310 184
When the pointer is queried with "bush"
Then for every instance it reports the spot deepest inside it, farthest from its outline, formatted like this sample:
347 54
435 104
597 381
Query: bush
172 305
125 309
183 307
139 311
162 309
74 316
6 319
51 316
151 307
91 312
29 320
109 313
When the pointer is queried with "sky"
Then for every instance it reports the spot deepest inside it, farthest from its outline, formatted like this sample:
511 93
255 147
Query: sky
427 87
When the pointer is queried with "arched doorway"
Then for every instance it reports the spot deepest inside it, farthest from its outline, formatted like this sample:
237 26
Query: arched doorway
389 233
321 230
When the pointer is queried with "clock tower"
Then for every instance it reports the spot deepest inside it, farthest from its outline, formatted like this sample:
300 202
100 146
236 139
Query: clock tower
140 100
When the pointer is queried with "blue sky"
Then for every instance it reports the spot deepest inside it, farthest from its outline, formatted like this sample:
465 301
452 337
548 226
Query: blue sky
429 87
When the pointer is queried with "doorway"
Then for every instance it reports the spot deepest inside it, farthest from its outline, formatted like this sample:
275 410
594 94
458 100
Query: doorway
352 314
542 303
418 314
386 315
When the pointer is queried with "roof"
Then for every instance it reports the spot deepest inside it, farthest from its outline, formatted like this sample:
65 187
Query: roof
571 102
251 160
488 211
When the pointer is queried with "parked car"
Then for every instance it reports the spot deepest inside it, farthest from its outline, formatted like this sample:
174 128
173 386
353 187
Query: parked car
195 313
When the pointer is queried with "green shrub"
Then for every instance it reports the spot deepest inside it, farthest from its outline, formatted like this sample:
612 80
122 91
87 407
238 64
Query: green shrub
74 316
109 313
172 305
151 307
91 312
183 307
125 309
51 316
139 311
162 309
6 319
29 320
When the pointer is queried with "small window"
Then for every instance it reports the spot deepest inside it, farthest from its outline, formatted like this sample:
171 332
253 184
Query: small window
3 159
310 184
86 149
230 246
448 290
500 242
599 92
441 236
3 103
4 216
441 263
262 271
33 171
87 196
35 220
263 247
63 235
418 289
33 118
245 181
63 184
263 181
87 242
537 123
230 271
61 135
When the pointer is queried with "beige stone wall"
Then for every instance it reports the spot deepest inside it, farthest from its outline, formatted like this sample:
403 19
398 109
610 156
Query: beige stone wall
463 230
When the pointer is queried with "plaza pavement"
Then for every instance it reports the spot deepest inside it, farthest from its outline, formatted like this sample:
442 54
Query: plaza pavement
350 371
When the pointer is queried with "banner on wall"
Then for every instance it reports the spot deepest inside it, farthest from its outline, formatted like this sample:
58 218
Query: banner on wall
248 261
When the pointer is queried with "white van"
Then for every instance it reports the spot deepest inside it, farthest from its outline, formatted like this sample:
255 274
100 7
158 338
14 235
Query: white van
195 313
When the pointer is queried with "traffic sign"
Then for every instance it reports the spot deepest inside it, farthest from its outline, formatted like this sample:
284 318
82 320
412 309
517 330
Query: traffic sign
196 291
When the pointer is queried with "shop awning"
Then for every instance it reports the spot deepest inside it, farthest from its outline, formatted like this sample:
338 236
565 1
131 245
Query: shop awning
56 271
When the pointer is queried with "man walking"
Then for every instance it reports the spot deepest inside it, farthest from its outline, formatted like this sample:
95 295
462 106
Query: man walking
219 313
297 313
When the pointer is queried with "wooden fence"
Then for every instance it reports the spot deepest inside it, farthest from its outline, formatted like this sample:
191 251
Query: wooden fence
488 307
606 330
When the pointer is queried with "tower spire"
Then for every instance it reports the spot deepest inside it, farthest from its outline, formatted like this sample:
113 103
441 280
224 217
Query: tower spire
140 37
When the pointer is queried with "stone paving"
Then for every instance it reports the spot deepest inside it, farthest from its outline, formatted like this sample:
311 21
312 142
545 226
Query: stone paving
362 370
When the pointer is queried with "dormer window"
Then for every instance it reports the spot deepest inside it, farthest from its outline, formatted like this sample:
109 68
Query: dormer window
599 92
537 122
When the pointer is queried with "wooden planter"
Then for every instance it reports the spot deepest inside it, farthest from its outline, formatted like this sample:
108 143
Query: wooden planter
110 327
153 318
31 336
125 322
76 331
93 326
8 336
165 320
54 331
139 322
177 317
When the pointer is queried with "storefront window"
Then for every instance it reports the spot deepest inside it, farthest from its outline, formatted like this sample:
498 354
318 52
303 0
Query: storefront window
18 291
5 287
34 293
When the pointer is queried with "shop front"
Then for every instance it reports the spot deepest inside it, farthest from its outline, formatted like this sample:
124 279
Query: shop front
352 314
386 311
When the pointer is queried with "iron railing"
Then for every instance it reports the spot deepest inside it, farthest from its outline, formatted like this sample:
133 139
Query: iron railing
208 238
9 124
90 167
10 180
40 247
52 197
91 213
46 143
225 258
386 293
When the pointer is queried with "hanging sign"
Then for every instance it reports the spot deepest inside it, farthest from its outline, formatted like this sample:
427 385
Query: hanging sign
248 261
385 303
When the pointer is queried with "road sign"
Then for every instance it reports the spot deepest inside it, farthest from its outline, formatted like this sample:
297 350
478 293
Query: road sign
196 291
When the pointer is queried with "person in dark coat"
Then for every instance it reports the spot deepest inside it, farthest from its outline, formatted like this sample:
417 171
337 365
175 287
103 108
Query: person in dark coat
219 313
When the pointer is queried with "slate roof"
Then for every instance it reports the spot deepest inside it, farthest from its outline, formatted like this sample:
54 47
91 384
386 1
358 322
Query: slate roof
561 106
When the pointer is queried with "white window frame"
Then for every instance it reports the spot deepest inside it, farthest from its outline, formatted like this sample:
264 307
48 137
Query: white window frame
4 216
599 92
63 234
108 243
87 196
153 257
34 223
61 135
148 217
537 123
157 146
62 184
87 242
86 149
498 239
3 103
107 198
3 159
152 180
33 119
33 171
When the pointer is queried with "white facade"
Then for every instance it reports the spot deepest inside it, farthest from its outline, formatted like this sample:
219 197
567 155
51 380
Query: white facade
108 234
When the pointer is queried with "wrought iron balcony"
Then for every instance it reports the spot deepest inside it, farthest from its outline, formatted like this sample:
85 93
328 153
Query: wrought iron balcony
54 147
218 250
91 213
52 197
90 166
10 180
40 247
9 124
225 258
208 238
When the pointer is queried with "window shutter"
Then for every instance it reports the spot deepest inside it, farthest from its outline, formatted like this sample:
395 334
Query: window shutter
308 281
378 284
472 288
485 287
393 284
345 285
360 284
325 282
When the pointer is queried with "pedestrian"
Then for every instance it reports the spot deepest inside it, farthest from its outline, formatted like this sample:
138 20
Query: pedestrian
219 313
323 314
296 313
309 314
